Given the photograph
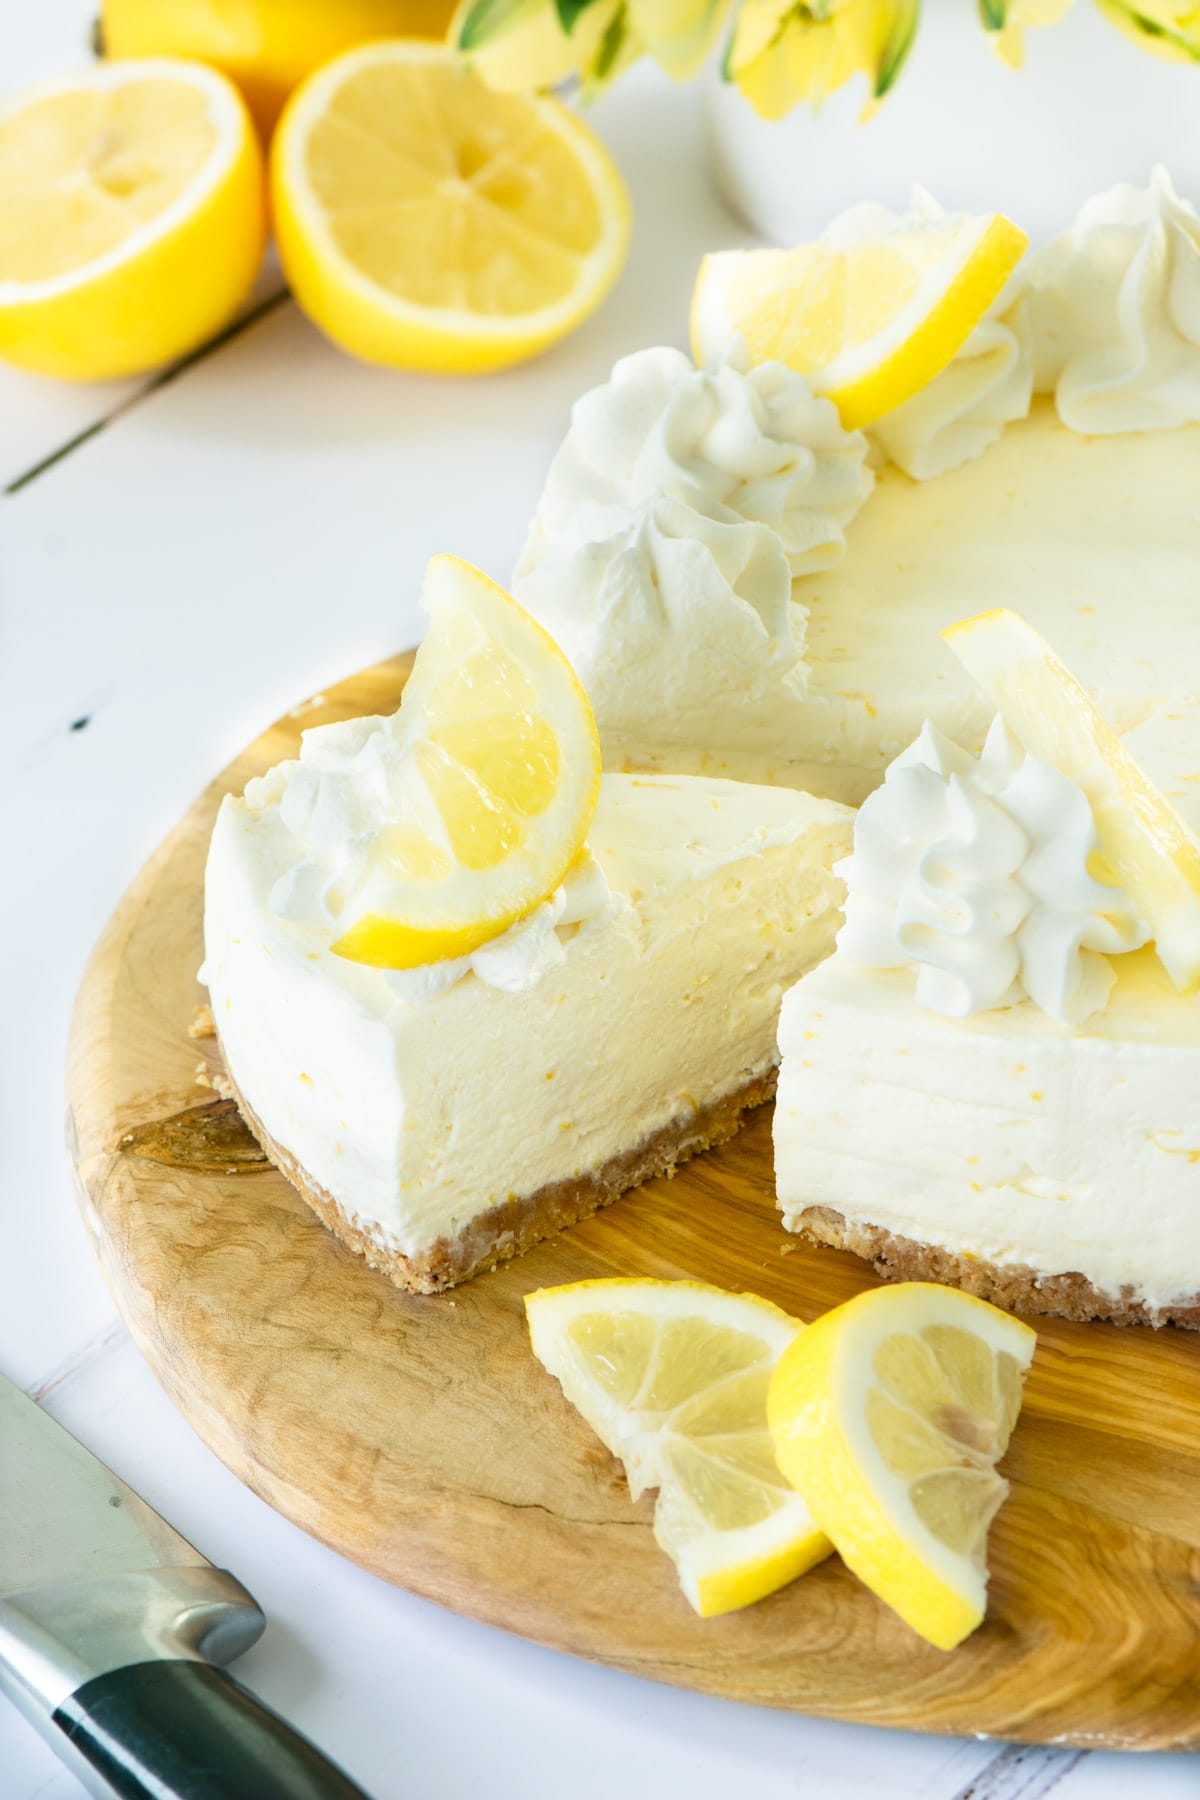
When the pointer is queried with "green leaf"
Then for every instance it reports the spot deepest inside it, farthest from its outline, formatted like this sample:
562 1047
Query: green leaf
1176 38
610 47
994 14
899 43
485 18
568 13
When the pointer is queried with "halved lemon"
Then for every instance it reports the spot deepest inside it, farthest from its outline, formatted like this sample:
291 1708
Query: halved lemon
132 217
870 322
889 1414
1150 851
492 787
672 1376
427 222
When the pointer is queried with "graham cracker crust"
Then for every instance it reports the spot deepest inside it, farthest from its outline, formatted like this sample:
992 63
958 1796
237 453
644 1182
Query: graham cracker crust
1016 1289
516 1225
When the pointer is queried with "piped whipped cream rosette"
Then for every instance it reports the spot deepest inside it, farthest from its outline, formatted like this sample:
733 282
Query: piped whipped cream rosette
683 629
1018 873
975 872
1115 303
743 444
675 516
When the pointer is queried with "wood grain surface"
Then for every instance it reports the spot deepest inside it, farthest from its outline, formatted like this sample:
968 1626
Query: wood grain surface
419 1437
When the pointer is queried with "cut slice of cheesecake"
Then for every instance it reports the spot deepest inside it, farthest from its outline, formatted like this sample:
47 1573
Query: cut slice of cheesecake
440 1119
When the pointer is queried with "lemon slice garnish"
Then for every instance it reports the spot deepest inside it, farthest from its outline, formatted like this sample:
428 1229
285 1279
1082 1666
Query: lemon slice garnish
672 1376
1150 851
870 323
427 222
132 217
493 786
889 1415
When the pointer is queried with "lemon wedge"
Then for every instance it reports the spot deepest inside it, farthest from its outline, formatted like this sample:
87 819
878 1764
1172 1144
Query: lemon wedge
132 217
427 222
1150 851
492 788
672 1376
868 323
889 1415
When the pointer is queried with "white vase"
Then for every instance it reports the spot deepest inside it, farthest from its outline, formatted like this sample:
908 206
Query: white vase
1088 109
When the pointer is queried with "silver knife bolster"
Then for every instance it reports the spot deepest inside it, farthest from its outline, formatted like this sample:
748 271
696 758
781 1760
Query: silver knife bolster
53 1639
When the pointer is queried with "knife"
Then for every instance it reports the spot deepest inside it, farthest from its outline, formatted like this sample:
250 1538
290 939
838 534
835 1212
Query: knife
113 1630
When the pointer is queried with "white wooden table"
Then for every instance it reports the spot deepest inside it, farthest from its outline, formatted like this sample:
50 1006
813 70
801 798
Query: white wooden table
181 560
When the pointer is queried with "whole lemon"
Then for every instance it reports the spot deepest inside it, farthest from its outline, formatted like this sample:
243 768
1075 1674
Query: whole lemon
266 46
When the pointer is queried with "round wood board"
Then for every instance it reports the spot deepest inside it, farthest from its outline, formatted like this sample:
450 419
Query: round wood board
419 1437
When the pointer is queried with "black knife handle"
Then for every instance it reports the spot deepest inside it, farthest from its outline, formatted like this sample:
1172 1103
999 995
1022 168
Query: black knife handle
182 1730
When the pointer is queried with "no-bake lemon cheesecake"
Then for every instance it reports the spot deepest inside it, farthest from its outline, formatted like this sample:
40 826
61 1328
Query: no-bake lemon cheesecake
442 1111
467 997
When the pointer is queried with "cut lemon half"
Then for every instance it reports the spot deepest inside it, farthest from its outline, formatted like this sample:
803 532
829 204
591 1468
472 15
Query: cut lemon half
672 1376
889 1415
427 222
489 786
869 323
1150 851
132 217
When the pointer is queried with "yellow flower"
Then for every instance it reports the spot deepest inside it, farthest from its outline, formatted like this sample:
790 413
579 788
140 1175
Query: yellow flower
523 45
1165 28
782 52
678 34
1007 19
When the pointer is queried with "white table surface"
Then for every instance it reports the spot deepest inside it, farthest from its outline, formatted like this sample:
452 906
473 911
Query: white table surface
205 551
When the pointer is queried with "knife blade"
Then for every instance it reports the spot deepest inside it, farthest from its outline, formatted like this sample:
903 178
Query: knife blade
114 1632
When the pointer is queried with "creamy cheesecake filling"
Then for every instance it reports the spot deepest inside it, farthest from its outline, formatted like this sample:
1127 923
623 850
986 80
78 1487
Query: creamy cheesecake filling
1096 541
418 1115
1002 1138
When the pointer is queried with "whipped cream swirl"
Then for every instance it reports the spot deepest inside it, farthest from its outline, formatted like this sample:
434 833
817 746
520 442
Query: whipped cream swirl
987 385
656 614
333 809
975 873
1115 304
754 445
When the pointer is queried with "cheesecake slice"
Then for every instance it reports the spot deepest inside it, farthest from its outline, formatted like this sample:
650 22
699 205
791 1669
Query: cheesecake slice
1049 1170
442 1118
992 1081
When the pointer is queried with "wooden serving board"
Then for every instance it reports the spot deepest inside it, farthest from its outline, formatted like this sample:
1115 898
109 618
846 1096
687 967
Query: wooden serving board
420 1438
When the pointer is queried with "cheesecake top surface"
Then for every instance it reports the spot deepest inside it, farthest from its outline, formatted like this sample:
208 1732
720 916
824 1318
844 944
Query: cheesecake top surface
649 837
1052 467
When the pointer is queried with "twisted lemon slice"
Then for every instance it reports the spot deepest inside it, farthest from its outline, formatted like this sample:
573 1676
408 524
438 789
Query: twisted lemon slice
1150 851
672 1376
869 323
493 787
889 1415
